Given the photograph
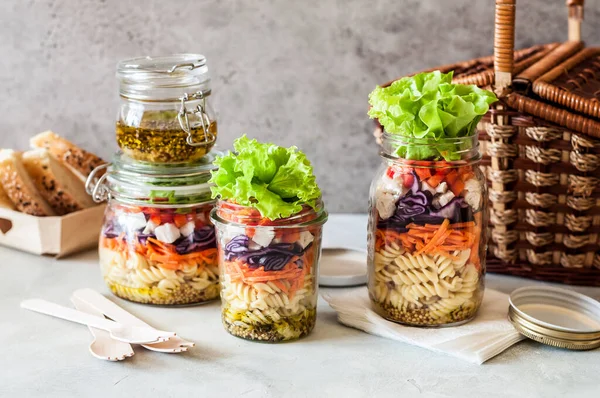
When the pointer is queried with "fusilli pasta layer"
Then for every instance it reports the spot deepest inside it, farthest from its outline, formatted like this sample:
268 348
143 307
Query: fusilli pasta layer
134 277
424 289
267 302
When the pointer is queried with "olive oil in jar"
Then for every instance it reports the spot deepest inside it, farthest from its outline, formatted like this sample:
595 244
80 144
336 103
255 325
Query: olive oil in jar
160 139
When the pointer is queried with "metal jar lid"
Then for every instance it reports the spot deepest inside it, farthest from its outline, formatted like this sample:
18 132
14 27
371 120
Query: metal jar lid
137 182
556 317
341 267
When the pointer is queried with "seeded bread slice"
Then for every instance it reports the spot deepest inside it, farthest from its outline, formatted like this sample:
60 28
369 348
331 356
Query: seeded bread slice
19 187
5 202
61 188
80 161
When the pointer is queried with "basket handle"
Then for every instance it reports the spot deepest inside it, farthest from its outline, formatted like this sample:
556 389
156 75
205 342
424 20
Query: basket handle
504 36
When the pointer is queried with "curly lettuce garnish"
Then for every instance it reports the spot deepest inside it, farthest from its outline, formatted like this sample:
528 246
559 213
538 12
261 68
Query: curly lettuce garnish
427 108
277 181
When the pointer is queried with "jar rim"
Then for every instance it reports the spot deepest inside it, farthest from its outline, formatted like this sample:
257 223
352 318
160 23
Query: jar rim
161 63
397 147
144 183
163 78
125 164
321 216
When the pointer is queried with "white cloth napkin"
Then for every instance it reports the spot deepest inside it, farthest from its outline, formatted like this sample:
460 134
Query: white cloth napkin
486 336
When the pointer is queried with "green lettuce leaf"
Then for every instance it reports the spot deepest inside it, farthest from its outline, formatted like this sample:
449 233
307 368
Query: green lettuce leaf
275 180
426 109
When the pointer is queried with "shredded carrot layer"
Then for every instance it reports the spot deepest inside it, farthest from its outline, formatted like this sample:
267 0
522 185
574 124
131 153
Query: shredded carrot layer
162 253
290 273
167 257
436 239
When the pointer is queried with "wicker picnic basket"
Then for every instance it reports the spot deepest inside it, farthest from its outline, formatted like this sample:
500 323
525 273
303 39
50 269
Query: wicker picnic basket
541 147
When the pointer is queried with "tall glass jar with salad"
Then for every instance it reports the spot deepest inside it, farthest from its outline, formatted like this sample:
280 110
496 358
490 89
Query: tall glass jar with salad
428 202
157 244
269 220
165 115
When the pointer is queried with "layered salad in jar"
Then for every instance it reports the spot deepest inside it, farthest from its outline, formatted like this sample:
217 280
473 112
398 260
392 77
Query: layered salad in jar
269 220
158 244
427 234
160 256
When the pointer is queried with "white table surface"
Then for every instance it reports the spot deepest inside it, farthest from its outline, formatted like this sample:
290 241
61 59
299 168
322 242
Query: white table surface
43 356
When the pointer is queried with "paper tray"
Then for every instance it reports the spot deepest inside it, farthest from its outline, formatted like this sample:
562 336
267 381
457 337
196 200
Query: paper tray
57 236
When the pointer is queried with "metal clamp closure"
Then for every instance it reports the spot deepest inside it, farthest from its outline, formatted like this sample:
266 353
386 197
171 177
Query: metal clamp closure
200 111
191 65
95 187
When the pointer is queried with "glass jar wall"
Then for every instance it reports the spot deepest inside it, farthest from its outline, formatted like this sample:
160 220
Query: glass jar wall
161 255
268 271
165 115
158 244
427 235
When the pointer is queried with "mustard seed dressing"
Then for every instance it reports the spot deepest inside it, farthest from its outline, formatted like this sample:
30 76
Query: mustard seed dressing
159 140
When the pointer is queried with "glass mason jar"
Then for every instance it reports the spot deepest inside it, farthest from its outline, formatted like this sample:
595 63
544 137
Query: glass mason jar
427 234
268 271
157 244
165 114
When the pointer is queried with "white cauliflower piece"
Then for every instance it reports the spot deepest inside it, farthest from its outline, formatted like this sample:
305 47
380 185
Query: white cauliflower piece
167 233
252 246
442 188
473 195
391 186
187 229
427 187
150 227
443 199
231 232
305 239
133 221
263 236
386 205
387 194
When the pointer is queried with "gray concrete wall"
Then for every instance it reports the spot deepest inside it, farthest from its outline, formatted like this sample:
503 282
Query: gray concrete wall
293 72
